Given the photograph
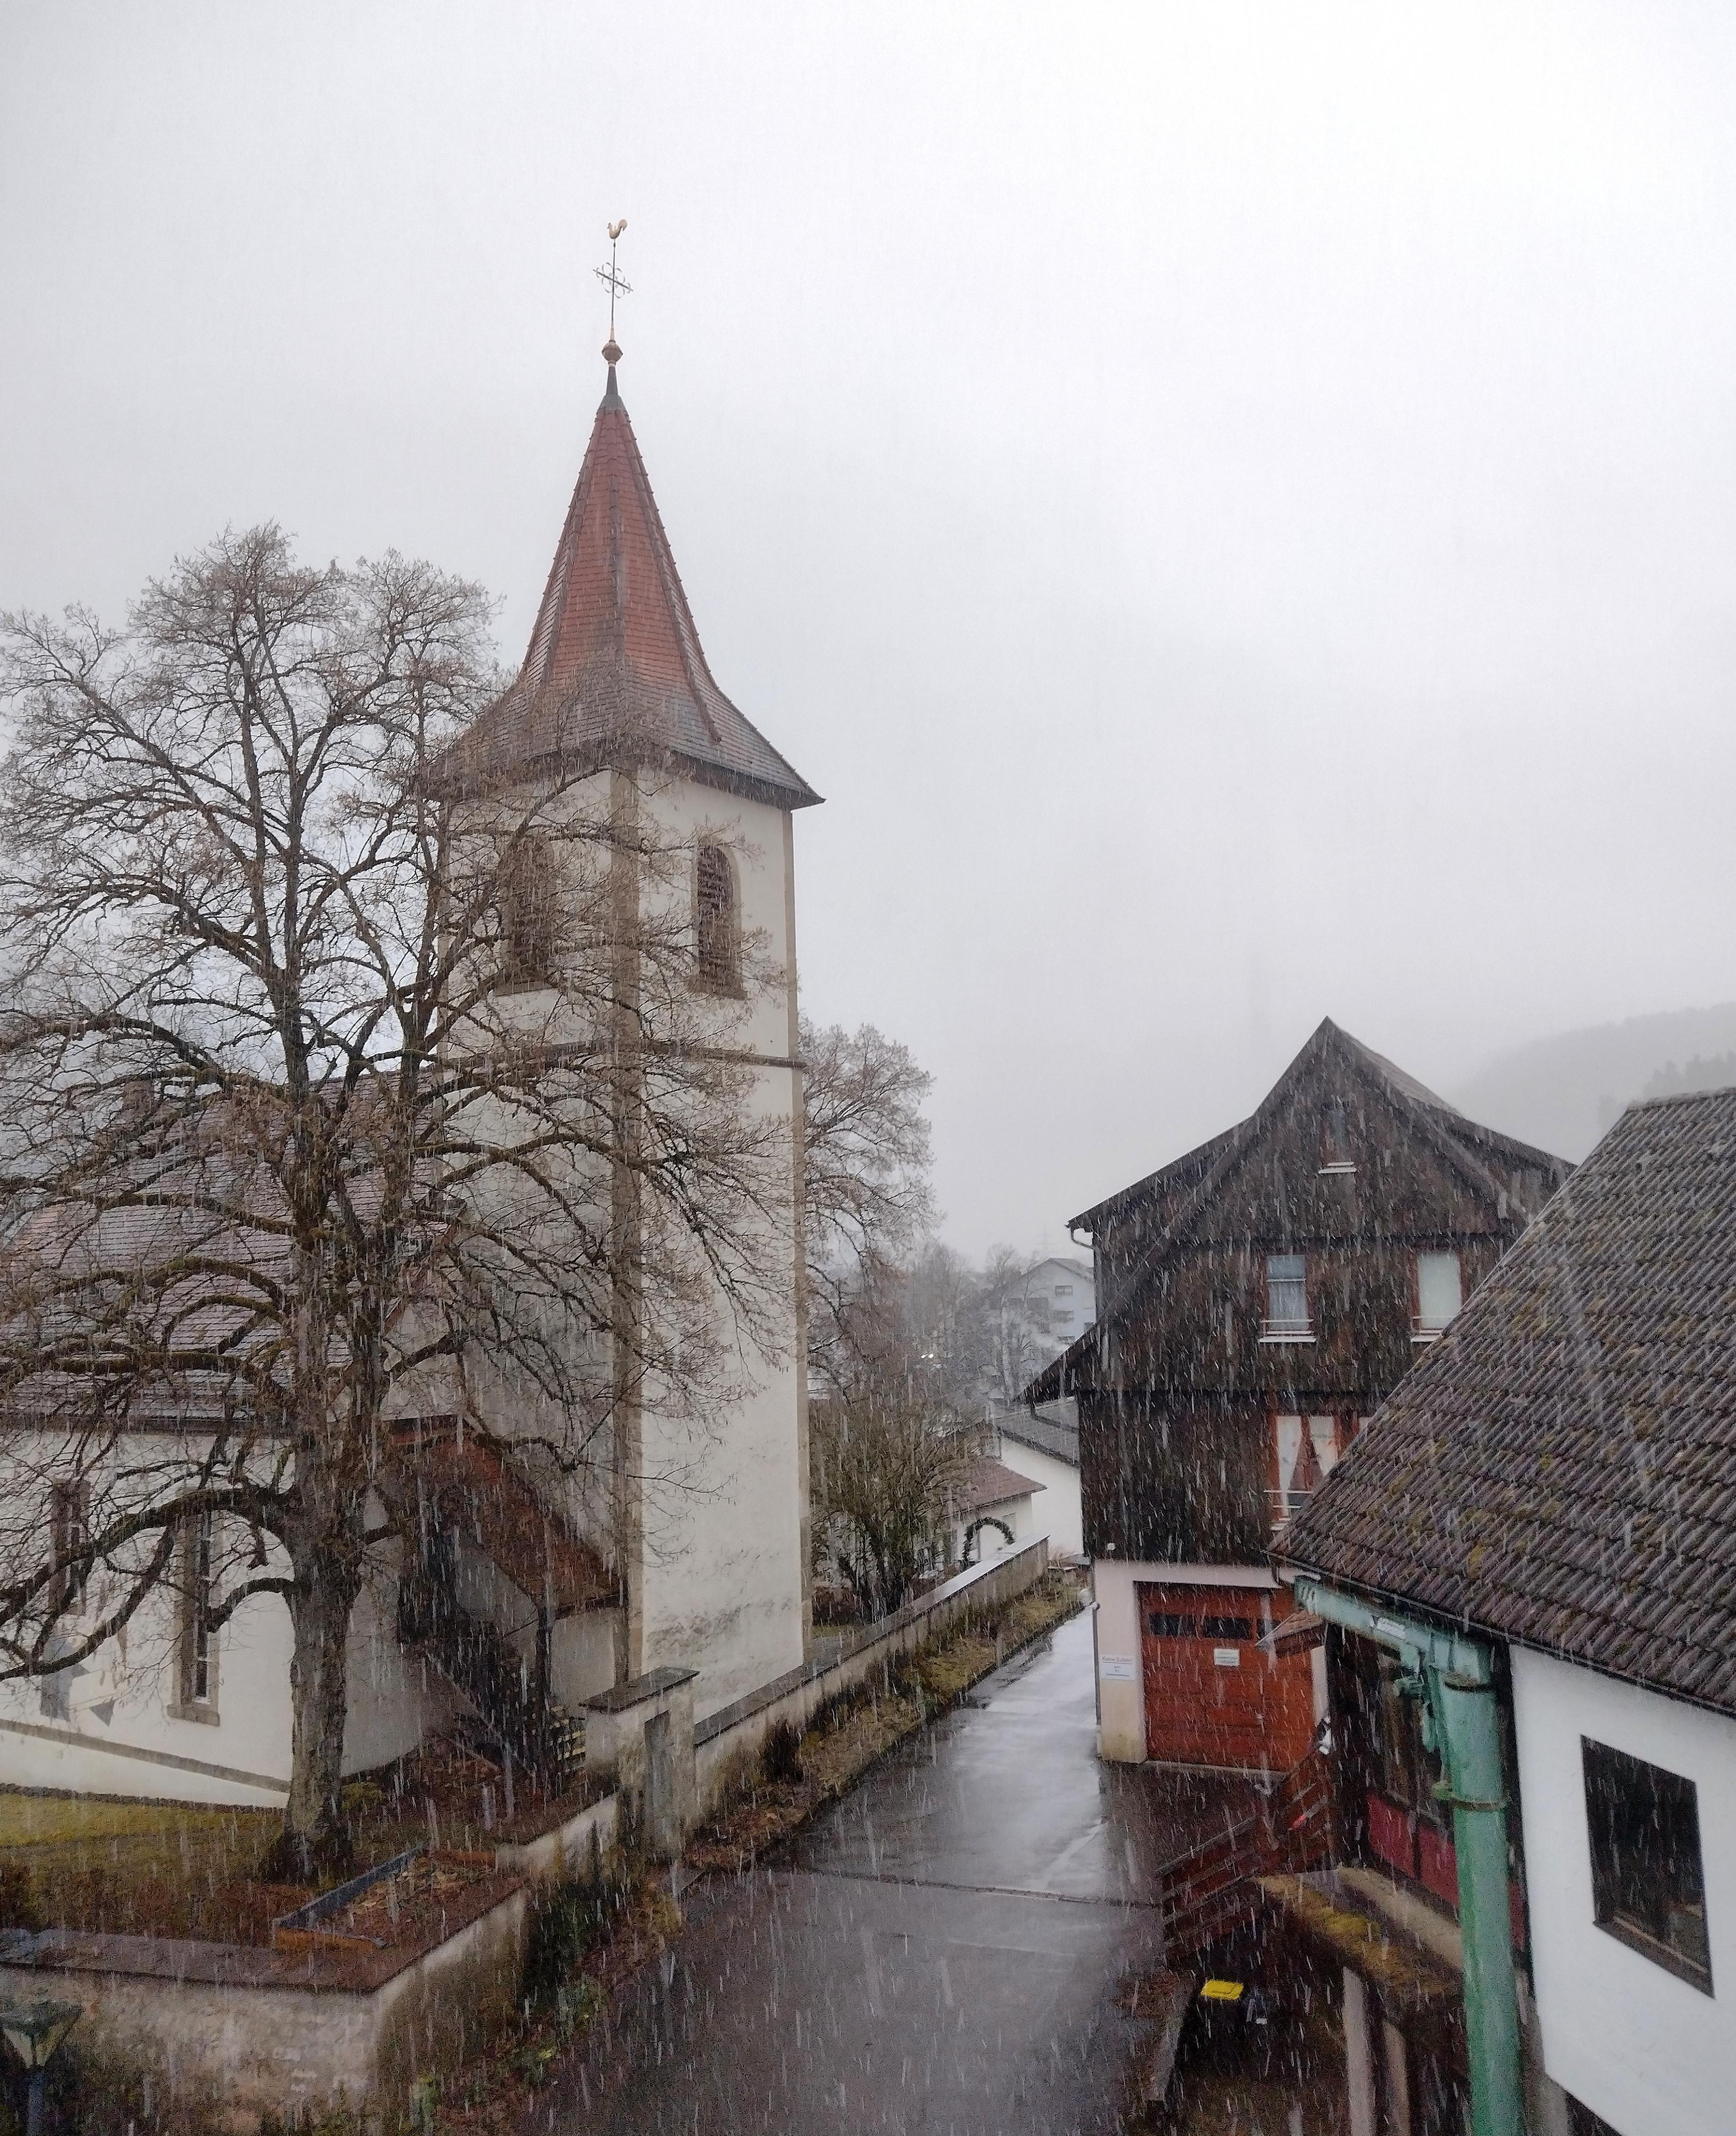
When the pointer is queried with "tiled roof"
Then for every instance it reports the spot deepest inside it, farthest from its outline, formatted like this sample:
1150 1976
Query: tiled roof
1464 1145
1046 1431
991 1483
614 667
1561 1467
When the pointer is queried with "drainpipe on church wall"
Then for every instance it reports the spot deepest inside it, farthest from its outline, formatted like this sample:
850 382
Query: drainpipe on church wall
1455 1678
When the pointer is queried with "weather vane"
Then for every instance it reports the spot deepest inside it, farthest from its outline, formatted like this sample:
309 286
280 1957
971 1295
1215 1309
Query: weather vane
611 281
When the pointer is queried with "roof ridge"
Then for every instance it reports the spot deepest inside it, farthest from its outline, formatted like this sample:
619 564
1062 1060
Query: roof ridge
1437 1128
1675 1098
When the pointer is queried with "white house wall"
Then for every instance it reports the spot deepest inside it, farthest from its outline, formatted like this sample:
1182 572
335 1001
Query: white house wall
122 1736
395 1697
1055 1511
723 1585
1650 2054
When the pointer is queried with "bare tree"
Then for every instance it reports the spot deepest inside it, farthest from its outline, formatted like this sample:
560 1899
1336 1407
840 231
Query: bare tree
867 1199
895 1339
1018 1331
888 1467
338 1086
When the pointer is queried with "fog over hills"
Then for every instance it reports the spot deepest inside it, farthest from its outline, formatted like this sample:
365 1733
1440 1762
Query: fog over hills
1565 1093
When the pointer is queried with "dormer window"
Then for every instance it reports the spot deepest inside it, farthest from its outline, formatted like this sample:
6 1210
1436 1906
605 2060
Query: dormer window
1334 1139
716 924
1286 1300
1440 1293
526 894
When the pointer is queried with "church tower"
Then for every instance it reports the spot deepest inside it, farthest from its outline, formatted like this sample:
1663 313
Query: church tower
615 678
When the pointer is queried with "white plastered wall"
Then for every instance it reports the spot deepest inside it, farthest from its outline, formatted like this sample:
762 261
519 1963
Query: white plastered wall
720 1587
723 1587
122 1733
1055 1511
1121 1696
395 1697
1651 2054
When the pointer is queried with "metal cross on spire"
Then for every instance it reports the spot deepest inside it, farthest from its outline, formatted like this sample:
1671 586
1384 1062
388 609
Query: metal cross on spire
611 280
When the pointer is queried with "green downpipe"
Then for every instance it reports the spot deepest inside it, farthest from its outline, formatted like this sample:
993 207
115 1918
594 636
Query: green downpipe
1455 1677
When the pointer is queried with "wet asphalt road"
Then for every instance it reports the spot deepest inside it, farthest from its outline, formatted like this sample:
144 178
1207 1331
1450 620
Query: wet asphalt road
939 1953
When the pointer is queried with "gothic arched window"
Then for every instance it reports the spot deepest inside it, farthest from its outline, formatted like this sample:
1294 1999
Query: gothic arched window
717 934
526 888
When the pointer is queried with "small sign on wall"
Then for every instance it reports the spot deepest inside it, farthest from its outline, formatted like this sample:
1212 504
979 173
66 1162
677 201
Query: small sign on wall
1227 1657
1117 1668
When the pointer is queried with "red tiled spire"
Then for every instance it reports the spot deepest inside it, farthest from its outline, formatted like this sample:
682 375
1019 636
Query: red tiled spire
615 670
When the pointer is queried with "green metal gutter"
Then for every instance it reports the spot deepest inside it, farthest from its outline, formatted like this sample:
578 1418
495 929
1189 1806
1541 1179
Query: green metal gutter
1455 1679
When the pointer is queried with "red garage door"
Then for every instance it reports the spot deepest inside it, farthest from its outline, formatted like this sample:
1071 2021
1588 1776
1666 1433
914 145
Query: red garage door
1211 1696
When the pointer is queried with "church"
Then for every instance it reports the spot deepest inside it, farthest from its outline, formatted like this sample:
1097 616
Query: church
525 1603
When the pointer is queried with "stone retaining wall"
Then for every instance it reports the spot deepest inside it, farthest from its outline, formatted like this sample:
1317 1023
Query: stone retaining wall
577 1848
266 2030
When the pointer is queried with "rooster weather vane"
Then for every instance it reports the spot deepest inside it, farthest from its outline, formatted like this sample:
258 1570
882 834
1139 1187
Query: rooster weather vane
611 280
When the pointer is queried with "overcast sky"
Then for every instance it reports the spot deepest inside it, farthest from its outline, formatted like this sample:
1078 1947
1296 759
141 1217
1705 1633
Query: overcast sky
1234 505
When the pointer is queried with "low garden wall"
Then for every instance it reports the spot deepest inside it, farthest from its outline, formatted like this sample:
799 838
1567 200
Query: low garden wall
265 2031
580 1847
282 2032
728 1742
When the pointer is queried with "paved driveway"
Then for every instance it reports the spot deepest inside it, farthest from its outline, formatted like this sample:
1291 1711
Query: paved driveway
939 1953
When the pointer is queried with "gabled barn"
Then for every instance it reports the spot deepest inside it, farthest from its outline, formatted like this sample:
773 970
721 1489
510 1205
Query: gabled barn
1257 1299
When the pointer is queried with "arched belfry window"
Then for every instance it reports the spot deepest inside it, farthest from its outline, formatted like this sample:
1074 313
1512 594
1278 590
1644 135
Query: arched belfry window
527 889
717 931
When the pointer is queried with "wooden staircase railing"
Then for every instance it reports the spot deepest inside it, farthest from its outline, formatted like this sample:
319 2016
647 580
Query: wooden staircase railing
1208 1891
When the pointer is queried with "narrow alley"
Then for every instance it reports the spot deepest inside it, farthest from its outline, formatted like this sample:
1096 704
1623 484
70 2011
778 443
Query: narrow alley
939 1953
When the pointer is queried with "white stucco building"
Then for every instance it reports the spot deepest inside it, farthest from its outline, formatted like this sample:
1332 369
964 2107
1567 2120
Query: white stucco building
1631 2020
1033 1317
1043 1444
696 1558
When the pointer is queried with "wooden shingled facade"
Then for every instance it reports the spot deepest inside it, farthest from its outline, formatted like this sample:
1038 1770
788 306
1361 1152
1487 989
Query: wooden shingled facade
1353 1169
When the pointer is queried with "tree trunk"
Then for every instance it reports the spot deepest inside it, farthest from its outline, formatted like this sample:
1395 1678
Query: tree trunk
314 1844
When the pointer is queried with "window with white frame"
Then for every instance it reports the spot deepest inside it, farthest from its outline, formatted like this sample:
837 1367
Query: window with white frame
1307 1453
1440 1294
1286 1300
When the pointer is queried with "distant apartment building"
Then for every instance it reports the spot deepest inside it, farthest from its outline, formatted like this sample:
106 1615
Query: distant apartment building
1034 1317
